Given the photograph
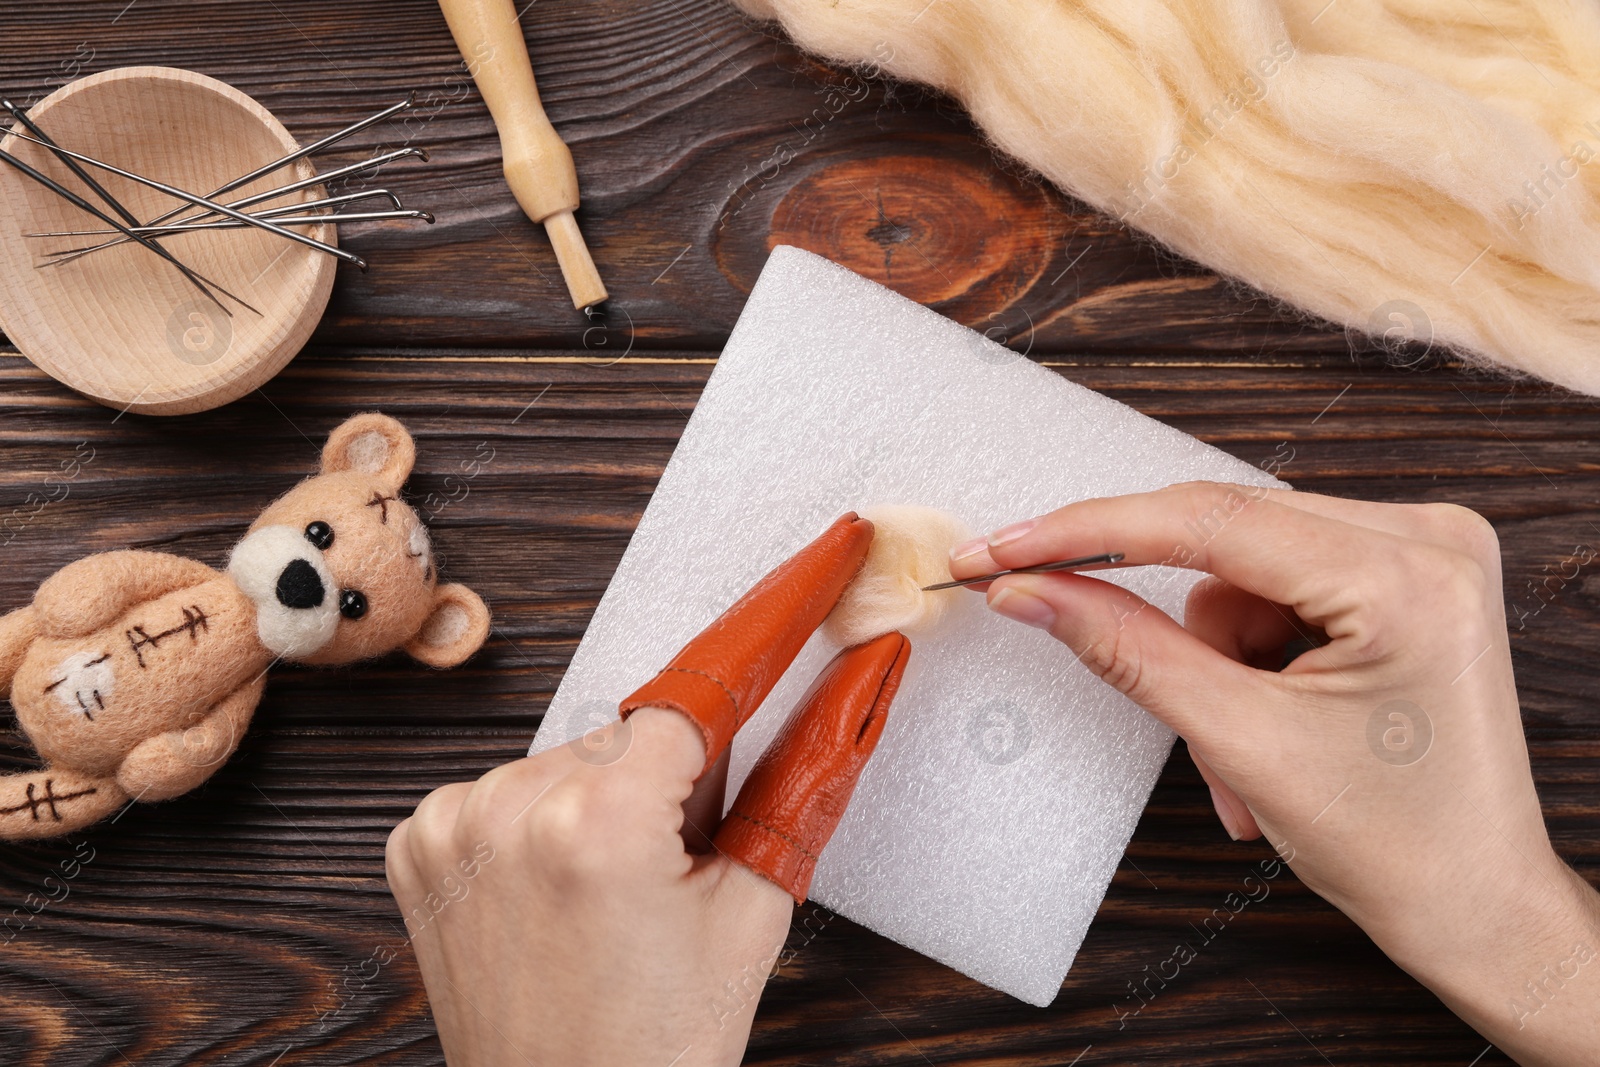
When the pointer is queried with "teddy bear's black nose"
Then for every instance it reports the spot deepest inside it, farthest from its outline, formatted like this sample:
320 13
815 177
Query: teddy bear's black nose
299 586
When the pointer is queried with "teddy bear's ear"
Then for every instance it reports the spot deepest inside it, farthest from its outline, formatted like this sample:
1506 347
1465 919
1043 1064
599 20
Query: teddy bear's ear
454 630
373 444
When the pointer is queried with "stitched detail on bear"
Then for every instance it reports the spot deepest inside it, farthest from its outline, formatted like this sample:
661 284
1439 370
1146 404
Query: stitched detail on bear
85 683
194 620
381 502
51 798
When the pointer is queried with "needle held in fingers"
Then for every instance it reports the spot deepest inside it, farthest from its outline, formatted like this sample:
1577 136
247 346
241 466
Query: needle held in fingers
1102 559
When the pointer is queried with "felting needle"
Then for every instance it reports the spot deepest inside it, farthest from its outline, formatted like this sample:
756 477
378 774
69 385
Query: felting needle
307 220
68 255
317 179
221 209
1040 568
203 284
266 213
297 155
115 204
71 164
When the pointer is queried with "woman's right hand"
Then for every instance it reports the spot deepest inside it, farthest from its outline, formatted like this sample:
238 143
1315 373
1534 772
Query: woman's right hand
1387 765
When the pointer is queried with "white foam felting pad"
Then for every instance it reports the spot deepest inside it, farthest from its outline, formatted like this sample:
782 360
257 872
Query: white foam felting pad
989 823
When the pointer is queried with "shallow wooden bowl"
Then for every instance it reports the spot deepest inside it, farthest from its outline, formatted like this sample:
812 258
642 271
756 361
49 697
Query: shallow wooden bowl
123 326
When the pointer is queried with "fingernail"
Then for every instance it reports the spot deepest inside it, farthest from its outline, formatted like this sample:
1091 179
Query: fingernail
1024 608
1224 813
968 548
1007 534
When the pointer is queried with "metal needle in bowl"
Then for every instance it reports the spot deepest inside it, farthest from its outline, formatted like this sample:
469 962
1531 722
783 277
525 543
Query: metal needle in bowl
68 255
205 285
200 201
71 164
305 220
297 155
265 213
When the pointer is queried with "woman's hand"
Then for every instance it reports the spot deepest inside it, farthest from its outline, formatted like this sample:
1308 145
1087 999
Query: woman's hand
583 906
587 933
1387 765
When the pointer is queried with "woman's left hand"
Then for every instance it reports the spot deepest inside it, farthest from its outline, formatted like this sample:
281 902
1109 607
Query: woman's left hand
568 909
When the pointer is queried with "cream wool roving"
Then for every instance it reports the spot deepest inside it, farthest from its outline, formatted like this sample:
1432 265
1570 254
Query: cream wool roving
1407 168
910 549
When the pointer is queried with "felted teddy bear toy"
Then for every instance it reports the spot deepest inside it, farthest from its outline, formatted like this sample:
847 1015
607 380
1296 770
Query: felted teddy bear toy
136 673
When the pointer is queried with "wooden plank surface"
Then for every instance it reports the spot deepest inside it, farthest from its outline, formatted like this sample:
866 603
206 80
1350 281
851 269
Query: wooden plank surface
232 926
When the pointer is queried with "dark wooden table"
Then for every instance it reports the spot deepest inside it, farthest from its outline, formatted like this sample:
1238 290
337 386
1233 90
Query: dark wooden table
234 926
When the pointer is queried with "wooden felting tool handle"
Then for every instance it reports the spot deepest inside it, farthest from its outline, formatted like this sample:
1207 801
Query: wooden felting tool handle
538 163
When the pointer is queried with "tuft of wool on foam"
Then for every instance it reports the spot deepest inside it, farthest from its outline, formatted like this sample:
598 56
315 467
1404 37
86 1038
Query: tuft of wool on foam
1008 780
1411 169
910 549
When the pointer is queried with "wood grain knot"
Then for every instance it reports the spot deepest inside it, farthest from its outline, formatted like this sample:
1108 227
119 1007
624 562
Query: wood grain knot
958 233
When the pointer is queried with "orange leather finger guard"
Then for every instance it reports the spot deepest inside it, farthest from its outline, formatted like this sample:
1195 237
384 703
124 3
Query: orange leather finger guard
722 676
797 792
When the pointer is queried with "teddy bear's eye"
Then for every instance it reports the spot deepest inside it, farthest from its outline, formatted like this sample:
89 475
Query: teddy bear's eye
352 603
319 533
